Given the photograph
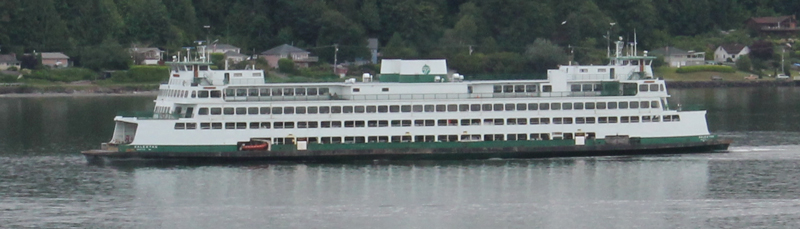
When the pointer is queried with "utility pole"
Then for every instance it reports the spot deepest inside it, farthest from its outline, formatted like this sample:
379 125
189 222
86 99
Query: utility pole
608 39
335 55
205 53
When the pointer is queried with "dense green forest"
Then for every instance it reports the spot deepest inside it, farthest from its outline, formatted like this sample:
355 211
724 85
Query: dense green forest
501 34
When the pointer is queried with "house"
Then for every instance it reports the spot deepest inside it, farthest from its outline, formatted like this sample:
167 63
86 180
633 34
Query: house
9 60
235 57
730 53
783 25
222 48
300 57
55 59
676 57
146 56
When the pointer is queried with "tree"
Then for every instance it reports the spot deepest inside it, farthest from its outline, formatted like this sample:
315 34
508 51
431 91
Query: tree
286 65
109 55
762 49
397 48
338 29
543 55
744 64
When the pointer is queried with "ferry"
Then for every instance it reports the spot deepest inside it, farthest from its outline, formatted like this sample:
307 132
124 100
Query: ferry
414 109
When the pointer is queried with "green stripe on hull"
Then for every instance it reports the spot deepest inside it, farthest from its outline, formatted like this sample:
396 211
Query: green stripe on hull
412 145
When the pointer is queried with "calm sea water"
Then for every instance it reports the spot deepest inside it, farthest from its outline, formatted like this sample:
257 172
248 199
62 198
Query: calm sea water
45 183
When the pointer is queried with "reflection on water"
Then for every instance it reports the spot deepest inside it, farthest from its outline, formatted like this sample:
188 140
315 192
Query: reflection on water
44 183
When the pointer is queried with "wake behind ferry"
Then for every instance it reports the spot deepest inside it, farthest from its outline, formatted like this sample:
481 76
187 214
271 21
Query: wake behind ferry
413 109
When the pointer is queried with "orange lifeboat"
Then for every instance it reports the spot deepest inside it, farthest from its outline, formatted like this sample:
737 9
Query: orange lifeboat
255 147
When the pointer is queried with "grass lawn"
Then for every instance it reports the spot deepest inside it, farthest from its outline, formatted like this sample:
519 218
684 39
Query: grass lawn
669 74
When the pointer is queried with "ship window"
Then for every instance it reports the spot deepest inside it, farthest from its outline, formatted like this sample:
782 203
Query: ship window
302 125
634 105
264 91
230 125
583 70
667 118
356 90
612 105
624 119
254 125
202 111
623 105
419 122
278 125
487 107
580 120
265 125
602 120
534 121
336 109
578 106
463 107
194 94
300 91
277 110
372 109
441 108
241 92
661 86
288 125
519 88
385 89
575 88
372 123
203 94
191 126
383 109
656 118
383 123
508 88
475 107
180 126
676 118
497 107
600 105
645 118
216 111
312 110
590 106
566 106
590 120
642 87
241 125
634 119
555 106
557 120
587 87
216 125
288 91
325 124
530 88
251 92
277 92
498 89
406 122
395 123
612 119
644 104
429 108
533 106
216 94
522 121
265 110
598 87
417 108
300 110
347 109
653 87
511 121
312 91
544 106
205 126
522 106
394 108
654 104
313 124
547 88
405 108
359 109
241 110
324 91
567 120
452 107
509 107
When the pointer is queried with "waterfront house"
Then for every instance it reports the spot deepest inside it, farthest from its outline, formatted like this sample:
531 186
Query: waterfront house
9 60
300 57
235 57
676 57
146 56
782 25
55 59
730 52
223 48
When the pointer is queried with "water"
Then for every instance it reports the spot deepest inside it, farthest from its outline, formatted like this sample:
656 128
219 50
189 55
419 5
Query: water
45 183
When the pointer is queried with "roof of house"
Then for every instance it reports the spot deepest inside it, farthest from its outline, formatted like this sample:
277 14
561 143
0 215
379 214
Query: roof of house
669 51
283 49
770 20
54 55
234 54
733 48
8 58
141 50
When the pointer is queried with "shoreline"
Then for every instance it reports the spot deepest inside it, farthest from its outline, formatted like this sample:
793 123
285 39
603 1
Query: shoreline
58 91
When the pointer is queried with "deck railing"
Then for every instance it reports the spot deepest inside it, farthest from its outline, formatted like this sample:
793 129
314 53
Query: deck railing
440 96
